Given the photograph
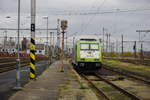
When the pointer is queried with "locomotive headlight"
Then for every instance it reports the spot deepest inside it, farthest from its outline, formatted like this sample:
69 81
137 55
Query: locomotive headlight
97 64
81 64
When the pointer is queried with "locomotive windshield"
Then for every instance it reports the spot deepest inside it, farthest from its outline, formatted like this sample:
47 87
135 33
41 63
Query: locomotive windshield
89 46
94 46
84 46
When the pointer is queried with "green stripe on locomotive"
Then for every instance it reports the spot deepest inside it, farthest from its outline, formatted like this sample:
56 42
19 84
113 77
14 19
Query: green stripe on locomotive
77 54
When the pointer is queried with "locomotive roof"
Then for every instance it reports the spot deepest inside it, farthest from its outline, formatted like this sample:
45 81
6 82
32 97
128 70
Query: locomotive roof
88 40
83 41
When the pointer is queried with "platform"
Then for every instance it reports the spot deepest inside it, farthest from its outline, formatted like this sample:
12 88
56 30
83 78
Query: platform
56 85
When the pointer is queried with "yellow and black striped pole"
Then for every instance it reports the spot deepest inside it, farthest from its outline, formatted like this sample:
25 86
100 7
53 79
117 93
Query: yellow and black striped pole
32 59
32 44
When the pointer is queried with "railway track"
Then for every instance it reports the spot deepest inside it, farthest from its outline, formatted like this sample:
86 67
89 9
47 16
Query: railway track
7 67
129 75
99 91
145 62
9 64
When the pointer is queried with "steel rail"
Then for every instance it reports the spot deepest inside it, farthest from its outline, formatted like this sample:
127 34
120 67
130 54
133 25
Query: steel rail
134 97
9 67
100 92
127 75
145 62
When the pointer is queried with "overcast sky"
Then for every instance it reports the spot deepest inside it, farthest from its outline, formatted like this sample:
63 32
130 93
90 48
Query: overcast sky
79 21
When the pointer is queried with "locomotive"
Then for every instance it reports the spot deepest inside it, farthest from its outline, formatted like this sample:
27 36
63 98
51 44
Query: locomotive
87 55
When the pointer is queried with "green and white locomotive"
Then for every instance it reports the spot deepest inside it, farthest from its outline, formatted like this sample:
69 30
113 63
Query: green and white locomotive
87 55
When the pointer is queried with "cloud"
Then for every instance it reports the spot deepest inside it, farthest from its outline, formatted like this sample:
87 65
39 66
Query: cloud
116 23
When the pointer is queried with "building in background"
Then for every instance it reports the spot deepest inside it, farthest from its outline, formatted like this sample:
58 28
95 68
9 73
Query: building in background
40 49
24 44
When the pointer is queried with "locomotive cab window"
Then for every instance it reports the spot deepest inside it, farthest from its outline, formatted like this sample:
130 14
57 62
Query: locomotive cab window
94 46
84 46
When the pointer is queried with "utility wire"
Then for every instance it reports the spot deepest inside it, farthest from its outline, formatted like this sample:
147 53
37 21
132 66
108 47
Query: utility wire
82 24
95 12
139 21
90 20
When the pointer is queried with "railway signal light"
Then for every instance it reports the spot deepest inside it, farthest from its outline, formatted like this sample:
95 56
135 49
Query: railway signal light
64 26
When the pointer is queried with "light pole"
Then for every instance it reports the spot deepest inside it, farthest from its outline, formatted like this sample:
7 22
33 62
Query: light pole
58 33
73 41
66 43
51 44
5 38
103 37
73 46
5 35
46 17
18 84
53 41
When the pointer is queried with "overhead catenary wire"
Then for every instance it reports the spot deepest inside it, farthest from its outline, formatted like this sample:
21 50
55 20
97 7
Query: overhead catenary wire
88 22
95 12
82 24
139 21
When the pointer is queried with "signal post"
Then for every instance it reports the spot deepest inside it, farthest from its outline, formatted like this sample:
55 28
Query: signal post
63 27
32 43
